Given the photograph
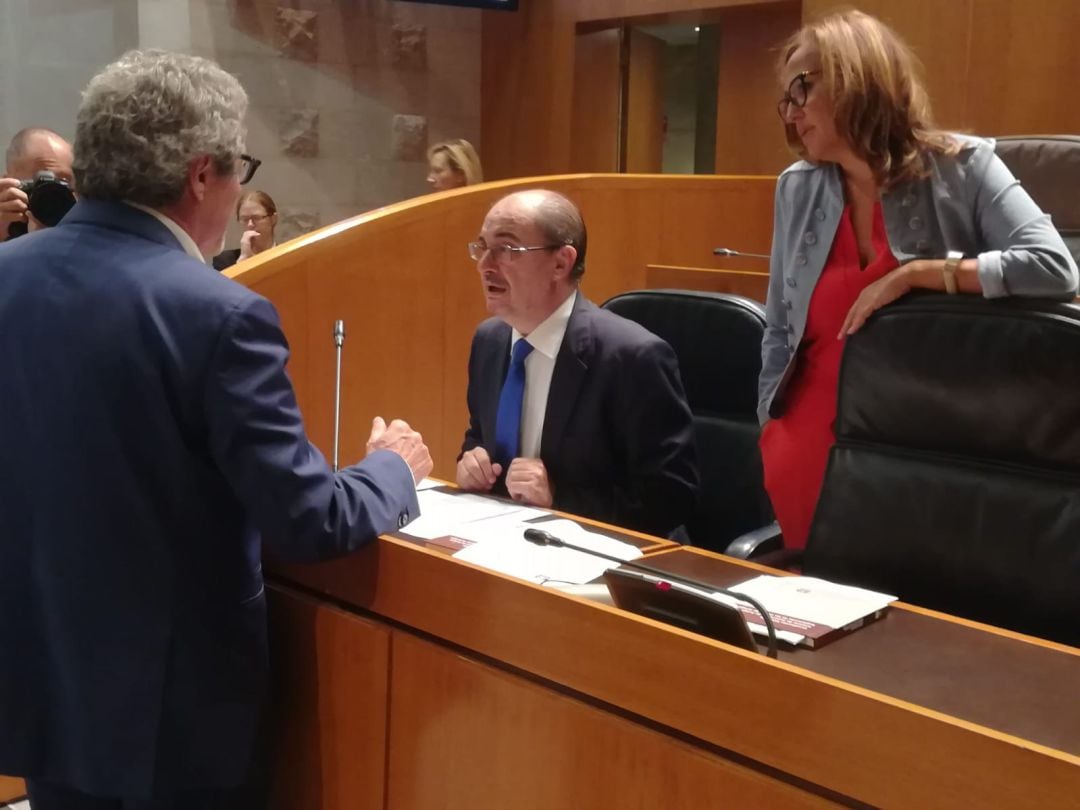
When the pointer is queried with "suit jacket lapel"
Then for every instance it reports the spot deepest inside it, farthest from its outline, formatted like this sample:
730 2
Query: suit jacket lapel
571 367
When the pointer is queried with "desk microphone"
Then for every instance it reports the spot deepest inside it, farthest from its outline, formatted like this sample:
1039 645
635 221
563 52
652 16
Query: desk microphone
542 538
739 253
339 343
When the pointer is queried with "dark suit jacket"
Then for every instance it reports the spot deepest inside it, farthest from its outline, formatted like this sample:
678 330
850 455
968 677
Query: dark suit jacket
226 259
149 436
617 439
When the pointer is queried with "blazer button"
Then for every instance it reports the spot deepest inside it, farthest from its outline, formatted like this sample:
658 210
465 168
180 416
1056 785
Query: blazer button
403 520
908 201
922 246
810 239
800 258
915 223
787 303
790 281
819 214
791 328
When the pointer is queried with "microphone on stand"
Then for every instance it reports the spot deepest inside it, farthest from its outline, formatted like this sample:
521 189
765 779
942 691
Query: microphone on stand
339 343
542 538
739 254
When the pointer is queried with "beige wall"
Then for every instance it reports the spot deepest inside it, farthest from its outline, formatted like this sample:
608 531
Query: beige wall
346 95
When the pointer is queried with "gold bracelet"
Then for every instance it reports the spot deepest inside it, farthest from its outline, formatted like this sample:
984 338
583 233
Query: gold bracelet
948 272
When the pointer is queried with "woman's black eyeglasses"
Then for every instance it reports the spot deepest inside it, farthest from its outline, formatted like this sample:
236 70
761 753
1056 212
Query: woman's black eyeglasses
796 94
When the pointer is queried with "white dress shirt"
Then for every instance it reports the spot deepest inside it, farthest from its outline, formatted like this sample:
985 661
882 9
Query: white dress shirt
182 236
546 340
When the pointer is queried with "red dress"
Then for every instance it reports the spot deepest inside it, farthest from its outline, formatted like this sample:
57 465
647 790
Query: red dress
795 446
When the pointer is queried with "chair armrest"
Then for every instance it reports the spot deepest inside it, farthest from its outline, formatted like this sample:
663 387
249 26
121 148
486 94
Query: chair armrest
757 542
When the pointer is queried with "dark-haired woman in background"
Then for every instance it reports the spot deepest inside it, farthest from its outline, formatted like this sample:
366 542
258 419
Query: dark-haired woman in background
883 203
255 210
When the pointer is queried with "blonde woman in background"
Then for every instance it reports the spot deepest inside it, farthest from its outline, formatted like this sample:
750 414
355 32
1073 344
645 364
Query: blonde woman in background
452 164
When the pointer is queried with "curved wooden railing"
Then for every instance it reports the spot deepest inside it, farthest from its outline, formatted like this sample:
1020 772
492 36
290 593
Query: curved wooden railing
401 279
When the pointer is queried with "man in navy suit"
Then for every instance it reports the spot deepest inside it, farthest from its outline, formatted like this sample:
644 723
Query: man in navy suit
151 443
570 406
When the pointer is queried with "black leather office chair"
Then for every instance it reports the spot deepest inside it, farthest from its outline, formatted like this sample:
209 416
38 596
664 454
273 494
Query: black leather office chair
955 479
1048 166
717 339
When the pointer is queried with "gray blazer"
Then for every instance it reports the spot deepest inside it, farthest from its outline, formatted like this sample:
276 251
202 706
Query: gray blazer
970 202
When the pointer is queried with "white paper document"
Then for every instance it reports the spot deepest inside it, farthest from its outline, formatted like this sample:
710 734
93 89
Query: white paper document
443 513
500 545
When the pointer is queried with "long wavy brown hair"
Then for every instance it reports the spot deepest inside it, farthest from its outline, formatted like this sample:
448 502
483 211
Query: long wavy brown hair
880 103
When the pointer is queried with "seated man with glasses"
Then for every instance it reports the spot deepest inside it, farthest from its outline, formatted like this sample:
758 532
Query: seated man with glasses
570 406
257 213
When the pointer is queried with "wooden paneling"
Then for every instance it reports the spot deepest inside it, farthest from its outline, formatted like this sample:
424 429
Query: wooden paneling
993 67
402 280
330 705
749 133
735 282
464 735
11 789
871 747
595 146
645 105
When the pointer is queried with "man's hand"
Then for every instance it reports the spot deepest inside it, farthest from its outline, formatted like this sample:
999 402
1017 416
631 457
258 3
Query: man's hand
403 440
246 250
476 472
13 202
527 482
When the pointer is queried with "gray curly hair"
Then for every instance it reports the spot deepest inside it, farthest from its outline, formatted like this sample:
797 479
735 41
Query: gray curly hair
146 116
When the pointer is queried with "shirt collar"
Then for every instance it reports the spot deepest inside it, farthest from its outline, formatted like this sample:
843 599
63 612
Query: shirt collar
548 336
182 236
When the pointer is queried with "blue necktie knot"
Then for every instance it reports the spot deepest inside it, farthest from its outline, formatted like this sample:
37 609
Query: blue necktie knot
508 418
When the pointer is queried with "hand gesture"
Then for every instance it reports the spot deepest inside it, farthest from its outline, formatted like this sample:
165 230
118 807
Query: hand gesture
476 472
246 249
527 482
403 440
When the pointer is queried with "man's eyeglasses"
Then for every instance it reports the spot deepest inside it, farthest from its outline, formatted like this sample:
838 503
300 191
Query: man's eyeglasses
501 254
245 168
796 94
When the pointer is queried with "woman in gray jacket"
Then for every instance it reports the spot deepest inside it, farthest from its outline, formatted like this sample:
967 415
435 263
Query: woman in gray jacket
882 203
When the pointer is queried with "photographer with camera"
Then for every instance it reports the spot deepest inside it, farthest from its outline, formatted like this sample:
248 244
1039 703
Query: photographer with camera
36 190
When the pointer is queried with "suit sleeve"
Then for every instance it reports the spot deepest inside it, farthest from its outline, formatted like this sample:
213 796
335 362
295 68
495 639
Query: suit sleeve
1024 255
774 343
474 433
654 424
303 510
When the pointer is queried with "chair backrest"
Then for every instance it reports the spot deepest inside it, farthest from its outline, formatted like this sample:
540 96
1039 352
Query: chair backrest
955 479
1048 166
717 340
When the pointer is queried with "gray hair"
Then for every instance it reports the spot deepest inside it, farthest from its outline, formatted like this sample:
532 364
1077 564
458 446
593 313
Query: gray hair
562 224
146 116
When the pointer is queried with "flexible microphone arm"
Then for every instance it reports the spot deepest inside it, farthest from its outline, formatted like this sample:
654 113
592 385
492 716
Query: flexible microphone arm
542 538
339 343
739 253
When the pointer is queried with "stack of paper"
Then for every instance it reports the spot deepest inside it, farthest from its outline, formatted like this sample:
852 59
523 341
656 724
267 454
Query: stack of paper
810 611
443 513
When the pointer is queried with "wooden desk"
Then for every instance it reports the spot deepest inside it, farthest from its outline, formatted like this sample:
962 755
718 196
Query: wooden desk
11 789
750 283
499 693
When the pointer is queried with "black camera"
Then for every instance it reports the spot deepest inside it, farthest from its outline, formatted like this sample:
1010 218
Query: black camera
48 198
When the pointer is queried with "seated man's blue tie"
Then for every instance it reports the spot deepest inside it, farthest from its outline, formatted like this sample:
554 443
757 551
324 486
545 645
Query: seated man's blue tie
508 420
